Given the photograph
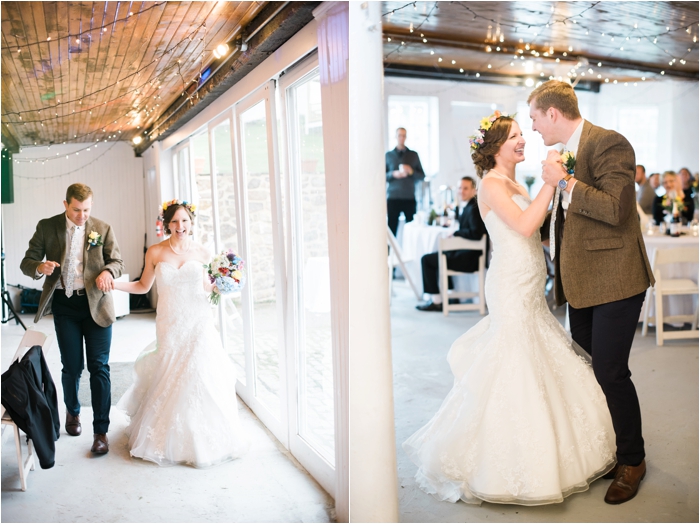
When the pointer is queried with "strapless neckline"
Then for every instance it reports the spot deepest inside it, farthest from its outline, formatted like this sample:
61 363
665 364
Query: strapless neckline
176 268
527 199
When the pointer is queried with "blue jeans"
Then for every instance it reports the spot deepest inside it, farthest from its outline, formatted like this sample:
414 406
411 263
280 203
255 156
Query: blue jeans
73 322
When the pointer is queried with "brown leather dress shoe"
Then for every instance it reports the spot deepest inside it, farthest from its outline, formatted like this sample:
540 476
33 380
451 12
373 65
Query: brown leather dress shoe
611 474
73 426
626 483
100 444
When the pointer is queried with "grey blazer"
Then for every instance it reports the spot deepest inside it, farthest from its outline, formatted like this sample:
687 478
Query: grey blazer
49 241
602 257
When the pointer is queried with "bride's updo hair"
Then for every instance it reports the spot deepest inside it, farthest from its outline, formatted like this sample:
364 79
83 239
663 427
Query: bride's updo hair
170 212
484 155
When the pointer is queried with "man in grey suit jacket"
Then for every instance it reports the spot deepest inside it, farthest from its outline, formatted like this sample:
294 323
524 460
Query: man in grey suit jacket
82 261
600 260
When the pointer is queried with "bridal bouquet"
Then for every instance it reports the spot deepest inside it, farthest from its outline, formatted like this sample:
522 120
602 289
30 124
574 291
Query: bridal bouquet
227 273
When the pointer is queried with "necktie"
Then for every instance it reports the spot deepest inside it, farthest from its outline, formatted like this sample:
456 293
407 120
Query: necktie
70 266
552 222
552 230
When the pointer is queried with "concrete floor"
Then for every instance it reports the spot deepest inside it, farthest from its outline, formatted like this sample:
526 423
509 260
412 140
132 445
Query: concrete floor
266 485
666 379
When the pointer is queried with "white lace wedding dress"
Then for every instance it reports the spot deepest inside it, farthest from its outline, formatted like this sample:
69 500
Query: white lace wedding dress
183 404
525 422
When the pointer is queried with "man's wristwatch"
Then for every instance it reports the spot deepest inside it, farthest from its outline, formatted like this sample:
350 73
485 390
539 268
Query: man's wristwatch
564 182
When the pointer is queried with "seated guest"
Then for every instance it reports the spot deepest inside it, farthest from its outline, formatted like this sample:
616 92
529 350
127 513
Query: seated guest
655 181
671 184
645 193
471 227
686 180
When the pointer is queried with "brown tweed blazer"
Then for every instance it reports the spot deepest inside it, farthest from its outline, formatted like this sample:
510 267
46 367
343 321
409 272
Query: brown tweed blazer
49 241
601 255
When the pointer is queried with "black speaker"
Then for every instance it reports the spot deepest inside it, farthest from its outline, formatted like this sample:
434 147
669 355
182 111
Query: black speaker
7 180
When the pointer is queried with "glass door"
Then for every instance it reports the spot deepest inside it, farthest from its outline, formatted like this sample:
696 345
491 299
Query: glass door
310 346
262 248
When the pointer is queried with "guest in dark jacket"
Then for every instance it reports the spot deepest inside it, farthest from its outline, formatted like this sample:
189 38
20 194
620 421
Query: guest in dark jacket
29 396
403 171
471 227
672 184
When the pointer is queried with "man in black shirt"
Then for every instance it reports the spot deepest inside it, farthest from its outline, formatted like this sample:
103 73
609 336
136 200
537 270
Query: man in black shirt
471 227
403 171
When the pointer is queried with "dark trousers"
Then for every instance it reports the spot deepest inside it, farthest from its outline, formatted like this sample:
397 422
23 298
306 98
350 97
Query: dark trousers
73 322
606 332
394 207
460 260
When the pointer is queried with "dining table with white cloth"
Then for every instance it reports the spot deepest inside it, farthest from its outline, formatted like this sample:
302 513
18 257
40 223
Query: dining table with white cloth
420 239
674 304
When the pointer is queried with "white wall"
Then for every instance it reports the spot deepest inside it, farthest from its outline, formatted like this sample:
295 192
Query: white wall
113 173
676 136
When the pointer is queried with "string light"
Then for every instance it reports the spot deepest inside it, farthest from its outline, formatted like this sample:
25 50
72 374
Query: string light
87 31
535 31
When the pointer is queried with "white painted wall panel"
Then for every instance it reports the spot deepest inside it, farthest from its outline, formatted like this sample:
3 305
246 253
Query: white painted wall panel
113 173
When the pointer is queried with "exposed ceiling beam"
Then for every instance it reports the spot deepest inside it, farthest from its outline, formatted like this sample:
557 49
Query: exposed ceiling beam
479 45
441 73
271 28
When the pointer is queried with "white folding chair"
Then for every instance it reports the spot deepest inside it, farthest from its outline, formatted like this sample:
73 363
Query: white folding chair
457 243
670 286
31 338
396 259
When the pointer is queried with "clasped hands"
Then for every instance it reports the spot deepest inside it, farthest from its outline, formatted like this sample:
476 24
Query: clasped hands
553 168
403 173
104 281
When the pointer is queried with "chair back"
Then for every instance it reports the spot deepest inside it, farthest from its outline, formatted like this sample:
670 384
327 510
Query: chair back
674 255
456 243
32 338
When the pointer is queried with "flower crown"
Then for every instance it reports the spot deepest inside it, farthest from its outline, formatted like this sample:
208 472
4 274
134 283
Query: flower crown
477 139
174 202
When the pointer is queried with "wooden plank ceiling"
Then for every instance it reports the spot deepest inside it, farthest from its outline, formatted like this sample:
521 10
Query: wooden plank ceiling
511 42
91 71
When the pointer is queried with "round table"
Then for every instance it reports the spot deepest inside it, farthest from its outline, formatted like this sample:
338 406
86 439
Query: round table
674 304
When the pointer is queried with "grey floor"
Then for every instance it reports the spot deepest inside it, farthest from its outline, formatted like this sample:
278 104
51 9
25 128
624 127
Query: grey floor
266 485
666 379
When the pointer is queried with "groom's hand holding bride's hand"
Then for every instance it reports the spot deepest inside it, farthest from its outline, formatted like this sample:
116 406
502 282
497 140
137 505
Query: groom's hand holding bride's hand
105 282
552 168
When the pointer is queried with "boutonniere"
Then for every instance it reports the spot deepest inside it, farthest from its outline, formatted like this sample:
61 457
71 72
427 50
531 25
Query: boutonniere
568 160
94 239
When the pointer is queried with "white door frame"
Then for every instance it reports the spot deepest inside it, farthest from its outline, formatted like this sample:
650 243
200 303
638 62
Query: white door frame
320 468
278 426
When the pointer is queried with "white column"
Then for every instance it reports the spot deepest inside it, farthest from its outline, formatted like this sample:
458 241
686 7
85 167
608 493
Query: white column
373 474
332 18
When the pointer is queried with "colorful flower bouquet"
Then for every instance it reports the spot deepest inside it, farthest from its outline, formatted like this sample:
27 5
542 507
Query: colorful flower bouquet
227 273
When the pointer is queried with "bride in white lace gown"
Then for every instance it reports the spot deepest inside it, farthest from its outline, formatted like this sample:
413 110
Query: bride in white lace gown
526 421
182 404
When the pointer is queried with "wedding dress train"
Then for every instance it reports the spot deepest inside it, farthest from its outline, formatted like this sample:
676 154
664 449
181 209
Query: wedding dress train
526 421
183 404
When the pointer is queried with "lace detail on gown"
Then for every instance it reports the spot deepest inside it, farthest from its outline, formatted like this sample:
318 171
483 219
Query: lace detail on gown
526 421
182 404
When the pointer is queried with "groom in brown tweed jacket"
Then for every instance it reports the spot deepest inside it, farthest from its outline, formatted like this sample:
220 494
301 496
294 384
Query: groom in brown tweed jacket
82 260
601 265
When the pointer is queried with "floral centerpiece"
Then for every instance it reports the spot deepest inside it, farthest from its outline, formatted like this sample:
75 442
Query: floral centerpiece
669 201
227 272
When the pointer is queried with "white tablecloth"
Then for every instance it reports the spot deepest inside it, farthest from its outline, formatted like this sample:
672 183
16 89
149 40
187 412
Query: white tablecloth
418 240
675 304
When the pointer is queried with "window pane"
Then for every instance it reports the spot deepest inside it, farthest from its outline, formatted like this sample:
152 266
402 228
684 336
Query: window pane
315 357
228 233
204 222
261 262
